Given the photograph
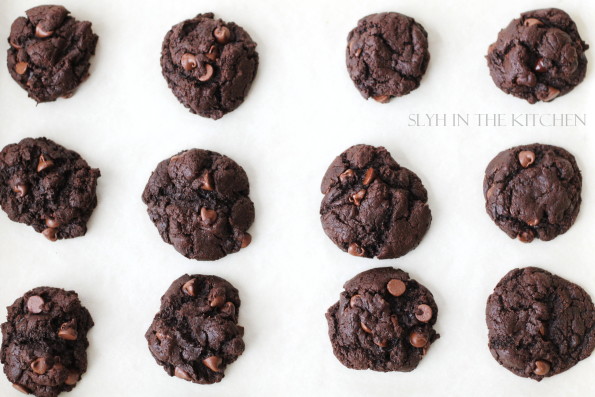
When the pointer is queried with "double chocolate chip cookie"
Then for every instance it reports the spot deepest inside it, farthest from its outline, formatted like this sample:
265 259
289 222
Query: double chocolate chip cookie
539 324
44 341
373 207
383 321
533 191
195 335
198 200
387 55
539 56
47 186
209 64
49 52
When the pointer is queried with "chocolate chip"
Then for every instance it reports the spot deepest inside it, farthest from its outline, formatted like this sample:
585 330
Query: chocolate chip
40 366
532 22
72 378
358 52
213 53
188 287
533 222
370 176
526 237
21 67
208 216
396 287
44 163
222 34
39 32
35 304
50 234
68 331
528 80
180 373
540 66
418 340
381 343
189 62
526 158
541 368
52 223
423 313
382 98
20 388
358 197
355 300
209 71
207 181
21 190
217 301
355 250
229 308
347 176
490 191
365 327
212 363
552 93
246 240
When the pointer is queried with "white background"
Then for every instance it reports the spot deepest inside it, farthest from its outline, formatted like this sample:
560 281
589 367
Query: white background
302 111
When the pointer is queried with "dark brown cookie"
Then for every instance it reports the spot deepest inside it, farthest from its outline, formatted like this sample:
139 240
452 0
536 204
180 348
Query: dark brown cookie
539 56
44 341
387 55
198 200
533 191
47 186
539 324
383 321
49 52
195 335
372 206
209 64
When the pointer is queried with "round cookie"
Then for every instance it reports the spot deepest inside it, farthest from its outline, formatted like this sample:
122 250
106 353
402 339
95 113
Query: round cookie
387 55
198 200
373 207
533 191
383 321
47 186
539 56
209 64
44 341
195 335
49 52
539 324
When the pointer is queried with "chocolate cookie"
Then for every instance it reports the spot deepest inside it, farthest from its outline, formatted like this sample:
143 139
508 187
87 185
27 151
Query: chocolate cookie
49 52
199 202
195 335
372 206
44 341
387 55
539 324
383 321
533 191
209 64
539 56
47 186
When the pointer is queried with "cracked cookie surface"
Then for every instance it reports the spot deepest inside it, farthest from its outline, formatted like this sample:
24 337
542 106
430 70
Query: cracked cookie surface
198 200
383 321
48 187
49 52
533 191
195 335
373 207
539 324
387 55
44 341
539 56
209 64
